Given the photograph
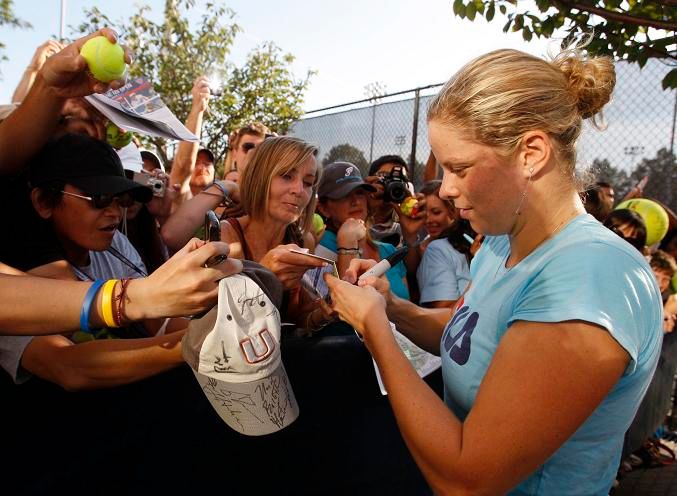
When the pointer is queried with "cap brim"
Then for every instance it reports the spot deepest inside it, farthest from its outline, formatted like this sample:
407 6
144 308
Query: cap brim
112 185
347 188
253 408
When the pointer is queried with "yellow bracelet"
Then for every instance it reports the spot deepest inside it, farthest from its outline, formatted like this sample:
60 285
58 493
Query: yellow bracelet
107 303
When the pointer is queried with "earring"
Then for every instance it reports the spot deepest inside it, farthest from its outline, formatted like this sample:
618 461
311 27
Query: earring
531 171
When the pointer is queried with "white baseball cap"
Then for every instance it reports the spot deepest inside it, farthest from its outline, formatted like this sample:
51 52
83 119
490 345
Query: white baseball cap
234 352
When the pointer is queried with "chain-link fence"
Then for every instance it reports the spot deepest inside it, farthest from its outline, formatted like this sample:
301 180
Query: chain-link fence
641 130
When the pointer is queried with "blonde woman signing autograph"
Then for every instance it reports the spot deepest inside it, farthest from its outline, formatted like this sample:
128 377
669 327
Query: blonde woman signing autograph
551 348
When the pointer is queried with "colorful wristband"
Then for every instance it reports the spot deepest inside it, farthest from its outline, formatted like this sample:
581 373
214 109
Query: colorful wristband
107 303
90 296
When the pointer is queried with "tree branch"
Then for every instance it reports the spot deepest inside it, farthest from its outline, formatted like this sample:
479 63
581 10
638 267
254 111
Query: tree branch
624 18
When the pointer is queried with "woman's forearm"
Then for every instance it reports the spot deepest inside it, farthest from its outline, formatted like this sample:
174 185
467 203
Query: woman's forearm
102 363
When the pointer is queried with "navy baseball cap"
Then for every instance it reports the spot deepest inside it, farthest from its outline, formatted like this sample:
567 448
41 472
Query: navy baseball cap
339 179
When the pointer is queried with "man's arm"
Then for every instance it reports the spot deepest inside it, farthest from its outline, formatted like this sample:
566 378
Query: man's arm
186 154
42 53
430 171
63 76
182 224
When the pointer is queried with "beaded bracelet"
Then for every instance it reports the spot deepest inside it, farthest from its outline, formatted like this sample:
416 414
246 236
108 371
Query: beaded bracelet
120 300
90 296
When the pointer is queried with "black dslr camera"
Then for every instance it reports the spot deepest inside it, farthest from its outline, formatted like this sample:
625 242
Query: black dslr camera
395 185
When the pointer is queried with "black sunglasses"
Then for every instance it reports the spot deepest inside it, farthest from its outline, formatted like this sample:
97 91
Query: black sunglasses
101 201
636 242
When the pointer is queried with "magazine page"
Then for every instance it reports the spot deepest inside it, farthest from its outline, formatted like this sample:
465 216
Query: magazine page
137 107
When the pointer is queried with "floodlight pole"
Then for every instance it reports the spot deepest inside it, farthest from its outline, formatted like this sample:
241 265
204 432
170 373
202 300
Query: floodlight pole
62 26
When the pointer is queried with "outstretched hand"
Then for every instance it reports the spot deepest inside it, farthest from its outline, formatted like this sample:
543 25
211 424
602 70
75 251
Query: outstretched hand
182 286
67 74
288 266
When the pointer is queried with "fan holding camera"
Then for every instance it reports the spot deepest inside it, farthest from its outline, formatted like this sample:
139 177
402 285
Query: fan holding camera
389 176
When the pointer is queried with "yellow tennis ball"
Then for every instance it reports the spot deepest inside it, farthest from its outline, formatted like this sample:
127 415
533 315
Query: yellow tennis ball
655 218
106 60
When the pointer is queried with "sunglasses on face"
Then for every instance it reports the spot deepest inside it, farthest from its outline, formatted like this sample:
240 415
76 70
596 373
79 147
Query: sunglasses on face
125 200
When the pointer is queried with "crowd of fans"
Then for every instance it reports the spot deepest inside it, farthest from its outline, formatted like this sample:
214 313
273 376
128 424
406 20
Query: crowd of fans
76 216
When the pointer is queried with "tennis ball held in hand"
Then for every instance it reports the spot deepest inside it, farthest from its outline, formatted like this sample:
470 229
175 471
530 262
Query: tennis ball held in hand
409 207
106 60
116 137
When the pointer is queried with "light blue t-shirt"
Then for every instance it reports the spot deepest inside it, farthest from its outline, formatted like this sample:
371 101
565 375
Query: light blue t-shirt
395 275
443 273
585 272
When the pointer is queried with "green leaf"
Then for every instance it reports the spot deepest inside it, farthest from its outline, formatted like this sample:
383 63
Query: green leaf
519 22
670 80
502 9
507 26
491 11
459 8
527 34
470 11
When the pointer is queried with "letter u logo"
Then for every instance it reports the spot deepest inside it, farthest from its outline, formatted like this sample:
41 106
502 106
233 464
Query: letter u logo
259 348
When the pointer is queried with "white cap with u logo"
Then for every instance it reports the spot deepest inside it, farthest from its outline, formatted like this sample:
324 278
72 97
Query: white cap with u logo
234 351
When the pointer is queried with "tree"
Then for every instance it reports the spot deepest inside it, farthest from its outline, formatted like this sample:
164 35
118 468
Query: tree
630 30
347 153
662 172
602 170
7 17
172 54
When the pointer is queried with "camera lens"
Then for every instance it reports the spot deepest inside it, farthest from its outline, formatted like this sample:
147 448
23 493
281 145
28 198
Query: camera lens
396 191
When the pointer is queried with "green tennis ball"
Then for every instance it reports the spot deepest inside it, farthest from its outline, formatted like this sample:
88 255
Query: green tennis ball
318 223
106 60
655 218
116 137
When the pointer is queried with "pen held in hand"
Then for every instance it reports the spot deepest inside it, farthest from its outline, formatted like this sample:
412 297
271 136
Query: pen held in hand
386 264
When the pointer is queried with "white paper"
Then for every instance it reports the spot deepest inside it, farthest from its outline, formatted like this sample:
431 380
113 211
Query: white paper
421 360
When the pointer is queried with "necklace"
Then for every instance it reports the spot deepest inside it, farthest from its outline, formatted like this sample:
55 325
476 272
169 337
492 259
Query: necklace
502 266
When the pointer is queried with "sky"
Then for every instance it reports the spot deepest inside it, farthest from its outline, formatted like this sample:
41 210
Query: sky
401 44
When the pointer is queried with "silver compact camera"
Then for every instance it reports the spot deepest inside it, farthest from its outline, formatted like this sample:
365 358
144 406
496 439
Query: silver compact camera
156 185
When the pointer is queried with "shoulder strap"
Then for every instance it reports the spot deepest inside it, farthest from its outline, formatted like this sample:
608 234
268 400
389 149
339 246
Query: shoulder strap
240 234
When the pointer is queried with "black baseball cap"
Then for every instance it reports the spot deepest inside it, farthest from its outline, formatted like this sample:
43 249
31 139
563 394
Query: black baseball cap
86 163
339 179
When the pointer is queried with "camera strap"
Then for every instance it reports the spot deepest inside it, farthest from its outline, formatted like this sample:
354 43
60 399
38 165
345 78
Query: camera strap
126 261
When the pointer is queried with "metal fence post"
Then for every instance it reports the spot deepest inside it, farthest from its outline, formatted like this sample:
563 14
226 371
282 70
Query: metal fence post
414 134
371 140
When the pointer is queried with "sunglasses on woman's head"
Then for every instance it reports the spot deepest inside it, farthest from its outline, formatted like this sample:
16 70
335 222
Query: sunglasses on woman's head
101 201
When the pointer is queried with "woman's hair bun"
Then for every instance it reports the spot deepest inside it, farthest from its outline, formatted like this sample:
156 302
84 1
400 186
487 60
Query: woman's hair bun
591 80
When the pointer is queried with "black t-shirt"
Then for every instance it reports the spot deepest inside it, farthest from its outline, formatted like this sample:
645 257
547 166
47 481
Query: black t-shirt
28 241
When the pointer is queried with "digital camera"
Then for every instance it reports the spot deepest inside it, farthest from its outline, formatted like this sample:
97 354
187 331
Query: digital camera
156 185
395 185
